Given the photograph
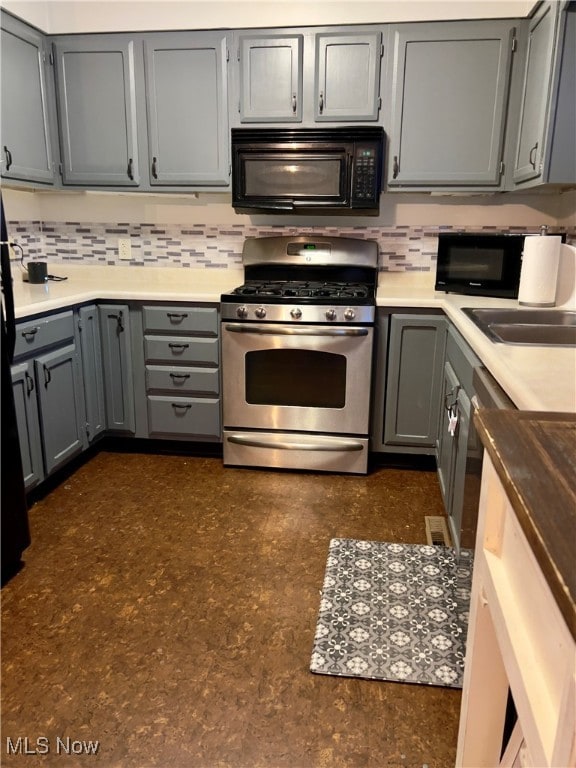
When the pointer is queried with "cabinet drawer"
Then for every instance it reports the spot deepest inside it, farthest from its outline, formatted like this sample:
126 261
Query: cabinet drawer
183 381
181 349
181 319
184 416
33 335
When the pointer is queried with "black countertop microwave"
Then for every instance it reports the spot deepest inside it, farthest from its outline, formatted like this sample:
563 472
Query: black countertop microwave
479 264
307 170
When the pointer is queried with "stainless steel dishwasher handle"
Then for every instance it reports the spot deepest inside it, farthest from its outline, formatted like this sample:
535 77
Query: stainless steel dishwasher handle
265 330
295 445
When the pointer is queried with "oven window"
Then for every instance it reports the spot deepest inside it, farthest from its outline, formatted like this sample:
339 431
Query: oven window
292 177
471 264
296 377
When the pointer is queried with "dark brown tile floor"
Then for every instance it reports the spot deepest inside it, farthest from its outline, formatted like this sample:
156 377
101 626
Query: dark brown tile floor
167 610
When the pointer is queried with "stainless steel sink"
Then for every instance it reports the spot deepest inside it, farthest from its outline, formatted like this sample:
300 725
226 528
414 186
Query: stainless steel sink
543 327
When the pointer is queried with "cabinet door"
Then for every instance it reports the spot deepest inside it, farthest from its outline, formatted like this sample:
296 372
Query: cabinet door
450 90
270 78
24 386
92 373
446 444
59 405
347 76
97 110
414 381
26 142
536 93
117 362
186 97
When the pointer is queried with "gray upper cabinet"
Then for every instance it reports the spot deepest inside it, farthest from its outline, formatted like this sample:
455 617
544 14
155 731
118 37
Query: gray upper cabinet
25 126
347 76
270 78
186 99
545 147
449 86
95 82
308 76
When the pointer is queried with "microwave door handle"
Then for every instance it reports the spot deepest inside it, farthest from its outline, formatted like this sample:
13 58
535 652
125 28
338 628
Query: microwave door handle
275 206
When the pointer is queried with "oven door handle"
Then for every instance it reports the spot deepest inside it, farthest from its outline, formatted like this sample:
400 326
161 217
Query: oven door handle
269 330
298 444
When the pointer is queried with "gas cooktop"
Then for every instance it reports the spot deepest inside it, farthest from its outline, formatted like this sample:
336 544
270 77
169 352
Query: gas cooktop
318 292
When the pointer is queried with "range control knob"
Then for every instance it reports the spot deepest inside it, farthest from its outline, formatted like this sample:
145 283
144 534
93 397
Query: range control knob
330 314
349 314
260 313
242 311
296 313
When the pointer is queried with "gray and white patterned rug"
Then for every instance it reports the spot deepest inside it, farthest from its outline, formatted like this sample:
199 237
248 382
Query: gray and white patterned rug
393 612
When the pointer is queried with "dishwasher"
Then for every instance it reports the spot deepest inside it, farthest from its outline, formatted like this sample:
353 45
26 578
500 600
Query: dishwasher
486 394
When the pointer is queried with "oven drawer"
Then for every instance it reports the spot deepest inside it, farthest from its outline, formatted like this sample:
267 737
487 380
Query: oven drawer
317 453
183 381
181 349
196 417
181 320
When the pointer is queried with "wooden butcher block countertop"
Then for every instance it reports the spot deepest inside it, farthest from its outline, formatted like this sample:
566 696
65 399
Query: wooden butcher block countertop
534 455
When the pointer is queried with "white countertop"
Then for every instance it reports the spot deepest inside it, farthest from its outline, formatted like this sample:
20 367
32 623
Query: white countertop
535 378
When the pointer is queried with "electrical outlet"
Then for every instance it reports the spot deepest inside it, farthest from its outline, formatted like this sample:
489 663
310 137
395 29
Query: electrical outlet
124 249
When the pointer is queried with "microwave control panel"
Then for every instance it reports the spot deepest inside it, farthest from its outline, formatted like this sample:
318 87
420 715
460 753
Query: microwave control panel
366 174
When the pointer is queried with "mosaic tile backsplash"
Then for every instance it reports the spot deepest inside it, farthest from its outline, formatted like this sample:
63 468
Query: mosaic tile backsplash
402 248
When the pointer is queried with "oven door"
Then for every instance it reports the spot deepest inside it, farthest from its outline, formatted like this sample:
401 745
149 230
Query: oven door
301 378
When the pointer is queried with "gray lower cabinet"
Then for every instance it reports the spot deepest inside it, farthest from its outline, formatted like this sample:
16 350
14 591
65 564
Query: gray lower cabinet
59 404
26 143
47 388
117 367
187 104
96 92
410 355
88 323
25 401
448 89
181 354
454 448
546 122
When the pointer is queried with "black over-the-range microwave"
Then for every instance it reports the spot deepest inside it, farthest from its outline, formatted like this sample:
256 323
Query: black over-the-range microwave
479 264
307 170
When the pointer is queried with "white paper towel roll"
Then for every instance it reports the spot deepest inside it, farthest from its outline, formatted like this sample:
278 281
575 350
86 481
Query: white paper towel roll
539 273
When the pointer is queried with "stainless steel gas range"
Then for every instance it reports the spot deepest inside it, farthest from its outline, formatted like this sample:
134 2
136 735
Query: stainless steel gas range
297 342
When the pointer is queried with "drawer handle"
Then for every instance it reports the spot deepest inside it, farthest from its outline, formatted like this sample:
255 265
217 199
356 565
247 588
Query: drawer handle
180 376
181 406
29 335
532 156
176 316
178 347
29 384
47 376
